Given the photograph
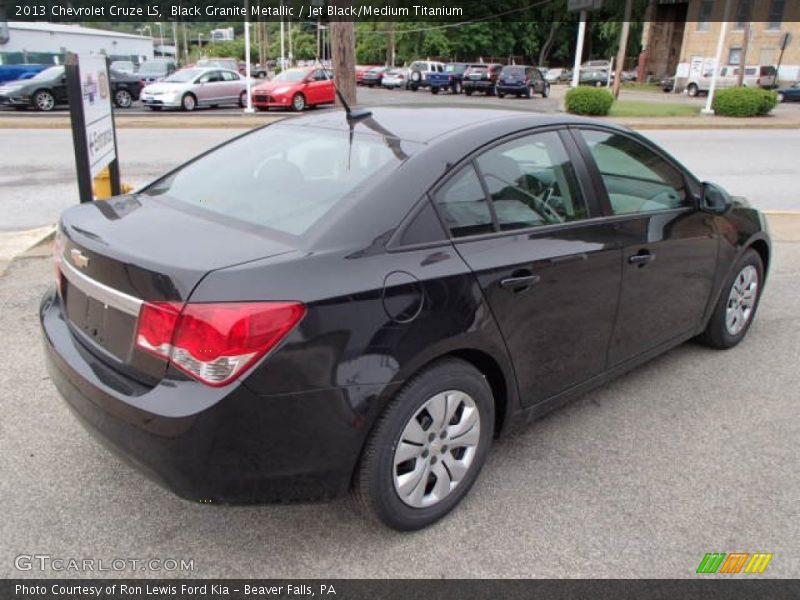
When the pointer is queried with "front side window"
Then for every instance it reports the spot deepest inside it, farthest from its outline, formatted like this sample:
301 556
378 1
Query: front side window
462 205
531 182
636 179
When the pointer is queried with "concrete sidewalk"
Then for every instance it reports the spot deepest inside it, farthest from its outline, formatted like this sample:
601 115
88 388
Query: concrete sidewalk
784 227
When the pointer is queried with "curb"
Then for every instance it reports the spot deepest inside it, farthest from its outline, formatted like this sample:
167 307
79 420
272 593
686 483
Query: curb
14 244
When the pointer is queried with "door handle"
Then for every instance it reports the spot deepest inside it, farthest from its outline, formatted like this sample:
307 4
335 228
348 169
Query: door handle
641 258
520 282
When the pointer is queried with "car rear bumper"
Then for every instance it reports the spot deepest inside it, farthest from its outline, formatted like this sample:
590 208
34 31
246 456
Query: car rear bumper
512 88
469 84
227 445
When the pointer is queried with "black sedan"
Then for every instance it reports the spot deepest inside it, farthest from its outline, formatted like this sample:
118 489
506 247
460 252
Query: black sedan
327 304
48 89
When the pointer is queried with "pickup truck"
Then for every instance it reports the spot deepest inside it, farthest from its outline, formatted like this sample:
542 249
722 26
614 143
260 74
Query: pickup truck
17 72
450 79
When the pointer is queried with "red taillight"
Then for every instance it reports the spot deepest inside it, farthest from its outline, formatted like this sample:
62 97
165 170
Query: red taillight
215 342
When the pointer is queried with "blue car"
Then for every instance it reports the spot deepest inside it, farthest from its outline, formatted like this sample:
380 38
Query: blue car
522 80
790 94
17 72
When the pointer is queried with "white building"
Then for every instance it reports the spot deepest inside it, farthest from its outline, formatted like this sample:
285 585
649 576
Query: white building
45 43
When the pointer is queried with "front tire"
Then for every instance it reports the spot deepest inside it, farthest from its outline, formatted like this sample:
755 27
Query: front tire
781 98
692 90
298 103
188 102
428 447
737 304
243 99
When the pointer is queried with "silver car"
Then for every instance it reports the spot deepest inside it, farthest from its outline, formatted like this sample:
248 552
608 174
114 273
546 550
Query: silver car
189 88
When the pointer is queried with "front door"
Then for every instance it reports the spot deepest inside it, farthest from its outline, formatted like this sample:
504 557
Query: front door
550 273
669 247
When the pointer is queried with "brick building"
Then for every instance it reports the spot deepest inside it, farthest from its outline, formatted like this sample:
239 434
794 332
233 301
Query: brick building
680 36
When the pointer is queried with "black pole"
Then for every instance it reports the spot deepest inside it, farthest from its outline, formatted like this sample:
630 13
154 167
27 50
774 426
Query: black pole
113 166
78 122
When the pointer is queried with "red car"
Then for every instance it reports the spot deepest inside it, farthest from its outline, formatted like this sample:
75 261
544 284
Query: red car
295 89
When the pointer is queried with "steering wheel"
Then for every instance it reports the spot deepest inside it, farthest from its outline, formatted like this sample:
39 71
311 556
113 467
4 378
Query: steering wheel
542 204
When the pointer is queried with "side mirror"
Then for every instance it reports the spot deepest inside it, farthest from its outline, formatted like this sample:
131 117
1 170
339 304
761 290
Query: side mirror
715 200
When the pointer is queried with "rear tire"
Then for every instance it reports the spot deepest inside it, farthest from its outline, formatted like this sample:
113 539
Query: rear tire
411 493
468 92
434 90
123 99
737 304
44 101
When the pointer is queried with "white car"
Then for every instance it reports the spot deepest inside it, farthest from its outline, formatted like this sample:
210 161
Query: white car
552 75
394 78
754 76
189 88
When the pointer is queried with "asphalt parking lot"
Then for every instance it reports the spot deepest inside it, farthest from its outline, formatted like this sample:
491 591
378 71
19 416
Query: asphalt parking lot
691 453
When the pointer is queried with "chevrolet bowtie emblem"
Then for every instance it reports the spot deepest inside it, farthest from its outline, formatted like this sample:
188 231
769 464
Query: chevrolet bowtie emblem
78 258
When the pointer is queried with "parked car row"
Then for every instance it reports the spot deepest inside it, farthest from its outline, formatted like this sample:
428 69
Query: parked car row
491 79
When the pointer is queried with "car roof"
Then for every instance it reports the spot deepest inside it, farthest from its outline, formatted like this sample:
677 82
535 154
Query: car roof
424 124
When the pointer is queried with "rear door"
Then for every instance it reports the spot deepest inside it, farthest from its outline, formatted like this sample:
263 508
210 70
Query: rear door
524 223
669 246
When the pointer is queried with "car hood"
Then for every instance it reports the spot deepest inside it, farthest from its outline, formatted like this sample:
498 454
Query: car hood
271 86
18 83
163 87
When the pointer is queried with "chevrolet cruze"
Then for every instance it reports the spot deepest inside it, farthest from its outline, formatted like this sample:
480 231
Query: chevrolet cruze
361 303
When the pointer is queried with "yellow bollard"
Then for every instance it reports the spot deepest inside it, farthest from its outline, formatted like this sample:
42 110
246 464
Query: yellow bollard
102 186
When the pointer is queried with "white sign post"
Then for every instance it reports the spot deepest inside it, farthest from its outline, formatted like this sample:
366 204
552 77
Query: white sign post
93 133
96 96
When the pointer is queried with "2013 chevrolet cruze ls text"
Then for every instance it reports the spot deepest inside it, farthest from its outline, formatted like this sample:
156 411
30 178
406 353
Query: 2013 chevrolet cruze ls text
332 303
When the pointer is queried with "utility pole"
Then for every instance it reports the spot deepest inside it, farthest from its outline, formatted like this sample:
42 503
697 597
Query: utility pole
343 54
743 59
623 48
576 71
723 31
289 33
283 47
391 53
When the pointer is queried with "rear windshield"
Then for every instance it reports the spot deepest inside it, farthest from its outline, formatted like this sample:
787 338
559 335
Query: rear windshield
514 71
285 178
153 67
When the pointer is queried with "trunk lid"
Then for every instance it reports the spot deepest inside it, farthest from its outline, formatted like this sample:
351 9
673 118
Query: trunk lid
117 254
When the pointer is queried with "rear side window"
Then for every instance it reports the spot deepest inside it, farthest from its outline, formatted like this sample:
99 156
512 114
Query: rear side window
532 182
283 177
637 180
462 205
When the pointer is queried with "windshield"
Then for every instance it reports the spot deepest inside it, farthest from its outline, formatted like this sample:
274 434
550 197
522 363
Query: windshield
184 75
291 75
153 67
49 73
286 178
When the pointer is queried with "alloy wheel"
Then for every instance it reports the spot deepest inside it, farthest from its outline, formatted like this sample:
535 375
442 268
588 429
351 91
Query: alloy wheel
741 300
123 99
44 101
436 449
298 102
188 102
